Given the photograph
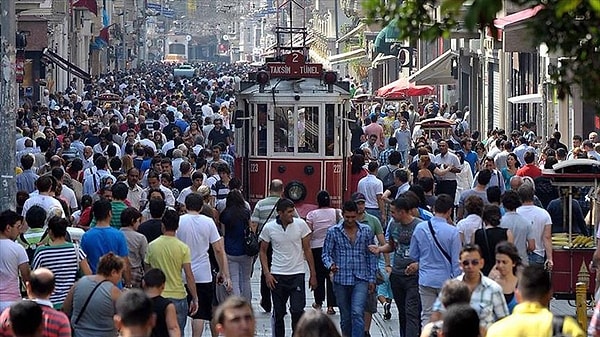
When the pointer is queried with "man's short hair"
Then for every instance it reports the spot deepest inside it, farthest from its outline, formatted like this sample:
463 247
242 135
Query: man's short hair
402 203
134 308
511 200
170 220
101 209
42 282
276 186
461 320
427 183
373 166
474 205
443 203
120 191
526 192
484 176
534 283
493 194
470 248
154 278
454 292
350 206
35 216
284 204
194 202
25 317
394 157
157 208
402 175
27 161
529 157
232 302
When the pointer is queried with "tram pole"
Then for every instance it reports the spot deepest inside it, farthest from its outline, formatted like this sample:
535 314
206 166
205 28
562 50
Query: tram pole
8 102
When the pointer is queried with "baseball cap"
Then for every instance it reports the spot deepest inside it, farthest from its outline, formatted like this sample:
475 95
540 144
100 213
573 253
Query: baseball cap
357 197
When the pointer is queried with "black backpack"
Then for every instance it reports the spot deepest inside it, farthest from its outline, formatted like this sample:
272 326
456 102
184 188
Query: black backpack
388 180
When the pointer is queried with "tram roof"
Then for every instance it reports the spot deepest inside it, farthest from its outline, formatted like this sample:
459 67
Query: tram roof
295 86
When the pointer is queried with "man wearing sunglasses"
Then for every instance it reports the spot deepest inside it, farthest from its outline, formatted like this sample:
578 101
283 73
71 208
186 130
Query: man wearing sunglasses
487 297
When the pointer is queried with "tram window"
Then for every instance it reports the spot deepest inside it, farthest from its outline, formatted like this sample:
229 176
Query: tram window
262 129
329 129
308 129
283 130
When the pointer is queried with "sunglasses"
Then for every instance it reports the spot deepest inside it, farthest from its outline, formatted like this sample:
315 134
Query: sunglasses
472 262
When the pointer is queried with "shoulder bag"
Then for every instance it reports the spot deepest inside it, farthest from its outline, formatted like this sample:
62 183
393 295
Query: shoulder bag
437 243
251 244
87 301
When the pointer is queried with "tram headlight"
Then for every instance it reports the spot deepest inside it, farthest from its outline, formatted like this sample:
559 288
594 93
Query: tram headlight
295 191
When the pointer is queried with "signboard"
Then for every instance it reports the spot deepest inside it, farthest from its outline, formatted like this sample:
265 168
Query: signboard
295 66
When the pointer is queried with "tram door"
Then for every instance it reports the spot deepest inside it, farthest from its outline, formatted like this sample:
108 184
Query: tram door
303 143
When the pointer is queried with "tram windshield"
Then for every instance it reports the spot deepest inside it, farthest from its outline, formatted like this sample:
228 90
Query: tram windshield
296 129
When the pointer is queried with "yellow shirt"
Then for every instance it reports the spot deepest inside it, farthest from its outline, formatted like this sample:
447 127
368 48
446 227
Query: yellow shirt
531 319
168 254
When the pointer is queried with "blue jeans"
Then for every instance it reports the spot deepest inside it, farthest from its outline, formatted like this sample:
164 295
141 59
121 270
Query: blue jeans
292 287
535 259
240 270
408 301
181 308
352 301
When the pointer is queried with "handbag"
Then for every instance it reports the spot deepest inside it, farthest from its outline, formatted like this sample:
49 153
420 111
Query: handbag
251 244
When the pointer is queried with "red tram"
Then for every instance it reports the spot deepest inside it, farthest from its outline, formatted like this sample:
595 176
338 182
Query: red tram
294 129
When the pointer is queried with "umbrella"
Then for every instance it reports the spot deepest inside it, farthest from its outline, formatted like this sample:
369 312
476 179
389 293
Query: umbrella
402 88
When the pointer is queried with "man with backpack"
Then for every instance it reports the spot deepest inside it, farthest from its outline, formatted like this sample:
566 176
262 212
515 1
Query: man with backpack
534 292
35 235
385 173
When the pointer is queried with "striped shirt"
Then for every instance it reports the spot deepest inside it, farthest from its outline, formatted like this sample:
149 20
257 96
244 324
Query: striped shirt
262 209
56 323
64 263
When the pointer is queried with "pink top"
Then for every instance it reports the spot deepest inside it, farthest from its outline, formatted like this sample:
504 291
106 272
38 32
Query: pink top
319 221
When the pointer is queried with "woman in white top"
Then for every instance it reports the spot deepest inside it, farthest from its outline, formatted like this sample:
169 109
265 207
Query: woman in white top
468 225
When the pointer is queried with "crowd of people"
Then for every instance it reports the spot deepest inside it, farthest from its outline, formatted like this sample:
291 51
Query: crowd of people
130 220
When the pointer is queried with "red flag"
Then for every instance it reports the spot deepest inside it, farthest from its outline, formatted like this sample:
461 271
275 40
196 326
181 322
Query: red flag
91 5
104 34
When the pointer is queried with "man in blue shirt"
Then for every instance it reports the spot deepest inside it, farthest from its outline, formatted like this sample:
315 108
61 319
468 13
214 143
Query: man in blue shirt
435 245
346 255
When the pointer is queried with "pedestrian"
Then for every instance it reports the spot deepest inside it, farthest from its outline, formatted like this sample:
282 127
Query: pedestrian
290 239
199 232
489 235
345 254
314 323
404 271
134 315
14 259
461 321
319 221
137 245
172 256
435 245
91 301
534 295
166 315
26 319
39 288
235 318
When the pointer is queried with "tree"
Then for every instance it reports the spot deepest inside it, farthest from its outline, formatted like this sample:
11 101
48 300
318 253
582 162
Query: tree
569 28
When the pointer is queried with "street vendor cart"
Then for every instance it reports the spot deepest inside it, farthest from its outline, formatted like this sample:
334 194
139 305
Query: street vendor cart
573 253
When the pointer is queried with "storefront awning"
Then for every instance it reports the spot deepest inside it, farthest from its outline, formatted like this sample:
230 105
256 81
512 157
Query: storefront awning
526 99
438 71
351 33
347 57
386 37
66 65
514 33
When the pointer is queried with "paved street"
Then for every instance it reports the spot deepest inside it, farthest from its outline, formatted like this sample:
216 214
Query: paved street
379 328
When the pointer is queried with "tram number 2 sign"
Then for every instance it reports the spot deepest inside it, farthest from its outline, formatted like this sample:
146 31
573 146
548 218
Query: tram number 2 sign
295 66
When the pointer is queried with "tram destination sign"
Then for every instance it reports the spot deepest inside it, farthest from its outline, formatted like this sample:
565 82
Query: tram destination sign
295 66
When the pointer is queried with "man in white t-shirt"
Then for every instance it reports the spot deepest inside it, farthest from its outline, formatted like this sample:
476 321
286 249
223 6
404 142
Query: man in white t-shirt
199 232
290 240
14 259
541 227
44 199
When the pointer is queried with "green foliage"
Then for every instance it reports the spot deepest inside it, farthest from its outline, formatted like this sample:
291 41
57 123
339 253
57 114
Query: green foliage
570 28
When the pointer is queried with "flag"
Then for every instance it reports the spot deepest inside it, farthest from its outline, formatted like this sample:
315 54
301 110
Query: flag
91 5
104 35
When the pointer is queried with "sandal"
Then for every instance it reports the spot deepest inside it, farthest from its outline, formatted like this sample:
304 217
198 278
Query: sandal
316 306
330 311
